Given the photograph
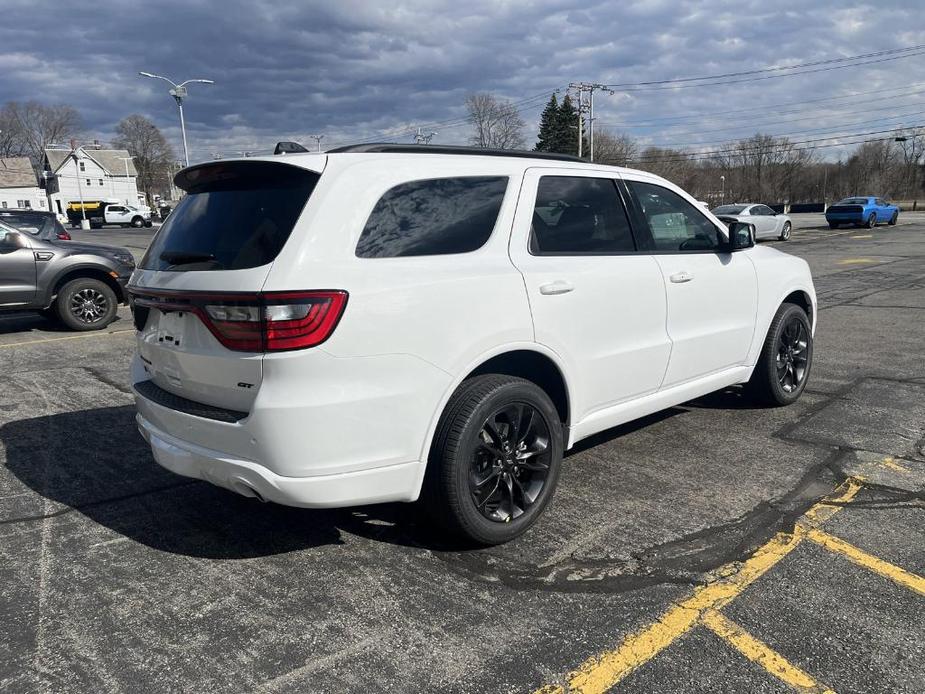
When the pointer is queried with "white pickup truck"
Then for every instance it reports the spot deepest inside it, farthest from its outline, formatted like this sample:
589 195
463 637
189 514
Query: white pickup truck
100 212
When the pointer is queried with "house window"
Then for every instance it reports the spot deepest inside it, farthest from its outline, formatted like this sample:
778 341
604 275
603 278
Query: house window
4 204
88 182
83 166
42 202
101 181
23 204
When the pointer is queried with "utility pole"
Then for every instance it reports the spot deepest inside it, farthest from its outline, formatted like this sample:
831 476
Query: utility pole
422 138
590 88
317 139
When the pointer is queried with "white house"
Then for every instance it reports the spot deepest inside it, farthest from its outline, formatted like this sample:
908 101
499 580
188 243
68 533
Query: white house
18 185
90 174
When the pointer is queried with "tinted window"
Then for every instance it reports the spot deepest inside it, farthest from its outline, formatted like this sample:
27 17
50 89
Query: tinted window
676 225
574 214
236 215
852 201
729 209
437 216
32 224
763 211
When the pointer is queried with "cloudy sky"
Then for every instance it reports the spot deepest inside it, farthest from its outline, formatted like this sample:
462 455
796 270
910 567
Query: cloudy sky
353 70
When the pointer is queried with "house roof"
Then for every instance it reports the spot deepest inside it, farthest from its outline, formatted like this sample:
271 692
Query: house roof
17 172
110 159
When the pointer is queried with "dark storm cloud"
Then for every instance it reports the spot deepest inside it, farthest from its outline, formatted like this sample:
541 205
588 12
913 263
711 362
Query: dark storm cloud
354 69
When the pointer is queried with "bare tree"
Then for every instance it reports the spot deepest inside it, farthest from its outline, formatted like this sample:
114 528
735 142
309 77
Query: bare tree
35 126
152 154
617 150
496 124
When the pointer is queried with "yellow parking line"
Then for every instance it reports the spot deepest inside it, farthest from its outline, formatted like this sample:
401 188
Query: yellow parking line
856 261
900 576
762 654
893 465
59 339
600 673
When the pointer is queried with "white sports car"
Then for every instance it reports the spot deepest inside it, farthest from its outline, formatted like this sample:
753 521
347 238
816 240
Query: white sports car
768 223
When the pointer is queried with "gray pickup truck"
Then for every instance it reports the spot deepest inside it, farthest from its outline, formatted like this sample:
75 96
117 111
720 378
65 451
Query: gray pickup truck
81 285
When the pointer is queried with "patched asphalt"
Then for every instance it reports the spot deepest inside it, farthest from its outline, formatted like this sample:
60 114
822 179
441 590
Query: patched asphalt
116 575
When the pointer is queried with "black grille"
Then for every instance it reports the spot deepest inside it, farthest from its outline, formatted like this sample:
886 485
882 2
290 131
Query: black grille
151 391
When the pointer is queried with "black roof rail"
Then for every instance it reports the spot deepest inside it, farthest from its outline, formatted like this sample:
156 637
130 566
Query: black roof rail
393 148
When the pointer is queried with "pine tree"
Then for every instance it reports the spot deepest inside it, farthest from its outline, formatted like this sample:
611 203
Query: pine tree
549 122
567 129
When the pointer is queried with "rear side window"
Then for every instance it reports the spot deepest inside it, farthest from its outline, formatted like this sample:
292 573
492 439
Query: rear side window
574 215
235 215
437 216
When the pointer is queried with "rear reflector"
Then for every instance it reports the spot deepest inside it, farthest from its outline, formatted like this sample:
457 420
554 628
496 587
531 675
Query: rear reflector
263 322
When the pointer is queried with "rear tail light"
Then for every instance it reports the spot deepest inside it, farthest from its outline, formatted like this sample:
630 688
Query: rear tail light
64 236
264 322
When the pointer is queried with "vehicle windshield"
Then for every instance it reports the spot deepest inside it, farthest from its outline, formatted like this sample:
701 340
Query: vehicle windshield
235 216
31 224
730 209
852 201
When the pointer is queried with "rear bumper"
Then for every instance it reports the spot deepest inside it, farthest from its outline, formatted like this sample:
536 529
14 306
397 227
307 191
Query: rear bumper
391 483
846 217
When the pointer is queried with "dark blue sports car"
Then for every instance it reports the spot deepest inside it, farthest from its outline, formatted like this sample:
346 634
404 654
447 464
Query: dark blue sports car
861 211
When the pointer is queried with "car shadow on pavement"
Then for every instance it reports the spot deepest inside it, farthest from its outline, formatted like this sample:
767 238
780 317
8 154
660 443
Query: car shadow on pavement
96 463
34 322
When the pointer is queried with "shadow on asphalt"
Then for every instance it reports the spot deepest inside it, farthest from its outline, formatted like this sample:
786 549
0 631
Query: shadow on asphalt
95 462
28 321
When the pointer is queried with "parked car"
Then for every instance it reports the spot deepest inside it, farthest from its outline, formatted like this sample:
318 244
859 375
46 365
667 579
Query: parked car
43 225
77 283
861 211
380 322
100 212
768 223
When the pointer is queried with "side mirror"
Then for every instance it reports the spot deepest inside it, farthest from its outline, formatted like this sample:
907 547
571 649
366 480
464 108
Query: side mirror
741 236
11 241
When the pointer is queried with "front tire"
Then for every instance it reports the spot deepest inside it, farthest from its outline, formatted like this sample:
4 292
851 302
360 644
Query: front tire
785 232
86 304
495 459
786 358
138 222
893 219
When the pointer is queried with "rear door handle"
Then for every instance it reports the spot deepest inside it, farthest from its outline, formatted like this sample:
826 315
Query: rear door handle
683 276
557 287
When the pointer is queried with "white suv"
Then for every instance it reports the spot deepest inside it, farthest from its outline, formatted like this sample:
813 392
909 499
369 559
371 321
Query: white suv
383 322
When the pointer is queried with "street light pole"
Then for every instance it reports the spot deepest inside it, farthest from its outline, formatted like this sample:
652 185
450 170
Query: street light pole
722 195
179 92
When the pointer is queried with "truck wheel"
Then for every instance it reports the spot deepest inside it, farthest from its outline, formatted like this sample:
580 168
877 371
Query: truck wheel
786 358
86 304
495 459
138 222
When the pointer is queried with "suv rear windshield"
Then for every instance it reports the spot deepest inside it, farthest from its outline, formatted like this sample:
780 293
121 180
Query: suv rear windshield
236 215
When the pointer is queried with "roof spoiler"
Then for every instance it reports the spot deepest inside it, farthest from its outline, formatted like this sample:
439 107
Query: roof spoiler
289 148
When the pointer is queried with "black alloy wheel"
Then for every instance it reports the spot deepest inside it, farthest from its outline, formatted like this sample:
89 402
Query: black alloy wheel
86 303
495 459
792 355
786 358
510 463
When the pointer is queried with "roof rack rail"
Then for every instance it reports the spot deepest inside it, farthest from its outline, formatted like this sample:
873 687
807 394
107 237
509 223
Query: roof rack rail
394 148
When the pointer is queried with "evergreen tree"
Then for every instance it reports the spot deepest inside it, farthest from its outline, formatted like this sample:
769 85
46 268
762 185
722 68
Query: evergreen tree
567 128
549 127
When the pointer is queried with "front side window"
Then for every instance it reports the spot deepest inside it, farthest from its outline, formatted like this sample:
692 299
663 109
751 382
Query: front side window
675 224
575 215
436 216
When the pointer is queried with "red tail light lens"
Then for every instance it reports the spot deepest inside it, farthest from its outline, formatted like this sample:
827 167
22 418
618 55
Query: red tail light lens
264 322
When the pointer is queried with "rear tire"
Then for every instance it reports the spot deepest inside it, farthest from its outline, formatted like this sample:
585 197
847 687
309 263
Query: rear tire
871 221
893 219
495 459
86 304
785 232
786 359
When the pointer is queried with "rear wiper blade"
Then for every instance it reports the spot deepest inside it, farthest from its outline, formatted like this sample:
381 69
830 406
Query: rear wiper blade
185 257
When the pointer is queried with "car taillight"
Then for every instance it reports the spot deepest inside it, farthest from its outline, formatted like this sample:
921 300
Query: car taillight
263 322
64 236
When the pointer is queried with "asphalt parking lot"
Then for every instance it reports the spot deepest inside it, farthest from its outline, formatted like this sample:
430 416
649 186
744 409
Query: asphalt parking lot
714 547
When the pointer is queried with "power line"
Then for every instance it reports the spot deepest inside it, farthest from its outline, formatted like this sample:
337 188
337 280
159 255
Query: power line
907 52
